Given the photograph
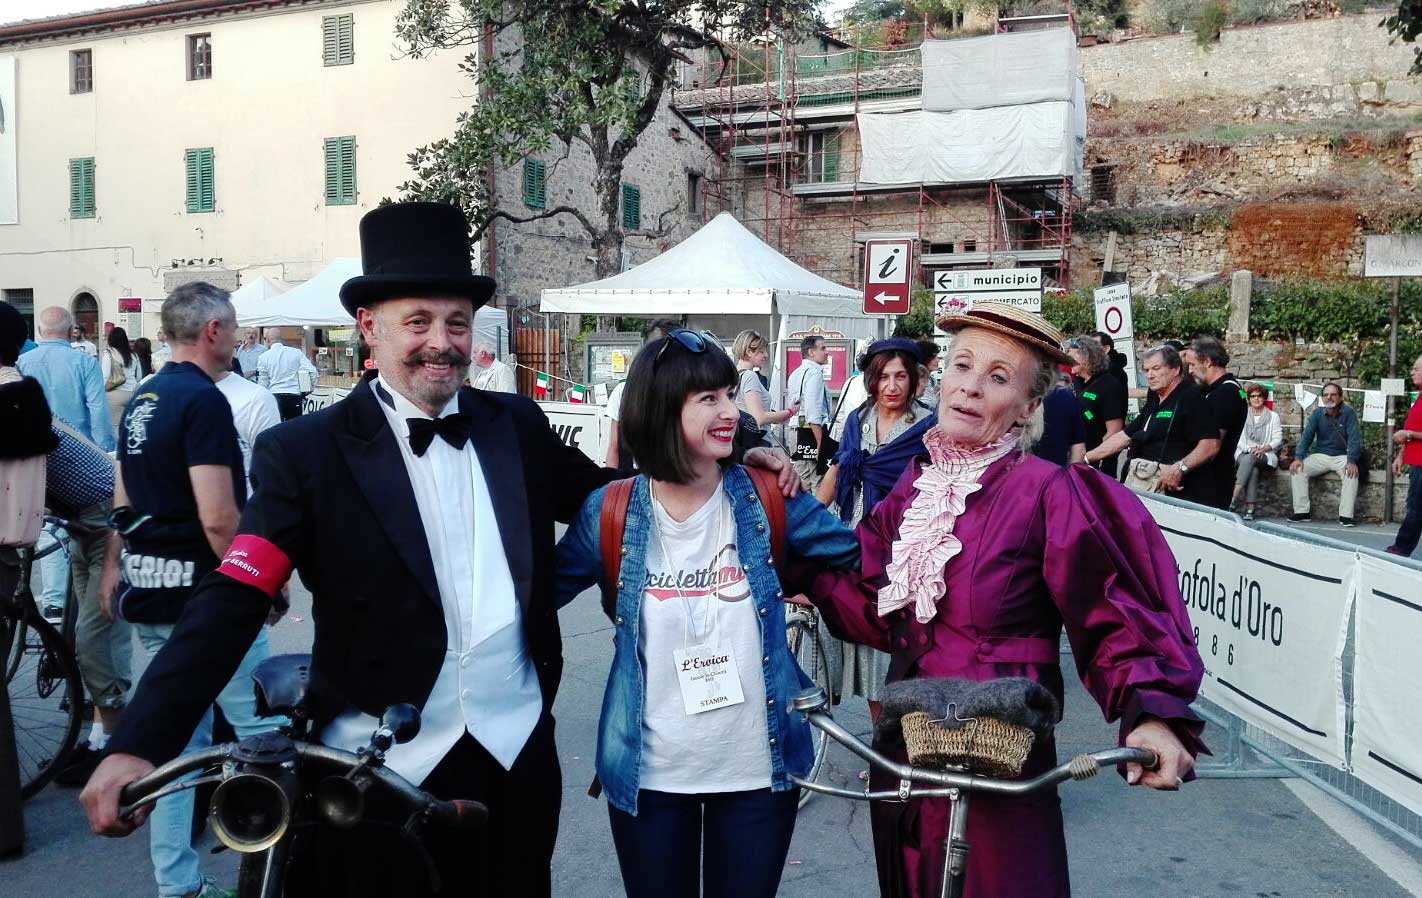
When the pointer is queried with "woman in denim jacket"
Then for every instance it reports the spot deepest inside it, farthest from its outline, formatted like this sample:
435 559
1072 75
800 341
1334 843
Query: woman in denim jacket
696 743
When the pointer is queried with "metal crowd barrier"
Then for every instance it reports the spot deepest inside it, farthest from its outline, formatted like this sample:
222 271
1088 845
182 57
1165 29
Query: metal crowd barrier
1249 752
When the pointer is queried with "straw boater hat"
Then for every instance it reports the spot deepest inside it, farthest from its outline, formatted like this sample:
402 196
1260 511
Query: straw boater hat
1024 327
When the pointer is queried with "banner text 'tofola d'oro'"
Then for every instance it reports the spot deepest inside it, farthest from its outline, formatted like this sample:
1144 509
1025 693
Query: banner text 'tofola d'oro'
1268 615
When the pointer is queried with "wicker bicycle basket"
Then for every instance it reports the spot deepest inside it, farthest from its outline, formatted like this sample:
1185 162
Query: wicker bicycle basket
983 745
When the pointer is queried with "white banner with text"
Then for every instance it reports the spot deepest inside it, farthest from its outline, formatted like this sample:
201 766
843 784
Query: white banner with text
1270 618
1387 731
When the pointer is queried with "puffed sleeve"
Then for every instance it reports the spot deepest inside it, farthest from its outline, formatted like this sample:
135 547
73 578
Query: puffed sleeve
1112 576
849 599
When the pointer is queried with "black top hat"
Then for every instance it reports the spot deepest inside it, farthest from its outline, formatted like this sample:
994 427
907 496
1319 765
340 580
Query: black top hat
414 249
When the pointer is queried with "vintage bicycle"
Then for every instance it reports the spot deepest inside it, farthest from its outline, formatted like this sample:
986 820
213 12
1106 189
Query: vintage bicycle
47 702
272 786
955 783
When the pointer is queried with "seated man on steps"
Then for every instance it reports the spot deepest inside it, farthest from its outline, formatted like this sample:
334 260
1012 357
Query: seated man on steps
1332 441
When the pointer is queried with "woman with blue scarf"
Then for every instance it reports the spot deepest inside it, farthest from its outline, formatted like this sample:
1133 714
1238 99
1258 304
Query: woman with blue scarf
880 439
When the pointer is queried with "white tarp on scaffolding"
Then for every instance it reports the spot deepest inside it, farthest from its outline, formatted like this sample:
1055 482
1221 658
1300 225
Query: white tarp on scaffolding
1039 140
722 268
1009 69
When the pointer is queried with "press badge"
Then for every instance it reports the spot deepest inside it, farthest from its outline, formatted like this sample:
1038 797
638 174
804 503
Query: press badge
708 677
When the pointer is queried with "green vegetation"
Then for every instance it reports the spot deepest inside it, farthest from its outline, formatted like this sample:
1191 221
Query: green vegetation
1210 19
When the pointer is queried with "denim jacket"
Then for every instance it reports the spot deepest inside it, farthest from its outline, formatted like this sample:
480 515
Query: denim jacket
810 532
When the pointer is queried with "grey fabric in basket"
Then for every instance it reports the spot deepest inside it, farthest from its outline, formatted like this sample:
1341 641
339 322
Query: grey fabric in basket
1015 700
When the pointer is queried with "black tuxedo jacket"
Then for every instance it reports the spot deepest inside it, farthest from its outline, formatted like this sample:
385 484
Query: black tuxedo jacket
332 493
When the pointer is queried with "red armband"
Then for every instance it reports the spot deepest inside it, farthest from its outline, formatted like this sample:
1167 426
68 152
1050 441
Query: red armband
256 562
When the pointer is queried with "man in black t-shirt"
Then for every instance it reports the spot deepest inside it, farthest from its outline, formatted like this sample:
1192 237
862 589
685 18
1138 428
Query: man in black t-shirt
1225 395
178 492
1102 397
1174 430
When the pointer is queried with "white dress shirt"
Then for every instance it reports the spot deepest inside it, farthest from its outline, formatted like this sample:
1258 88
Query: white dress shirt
487 685
277 367
497 378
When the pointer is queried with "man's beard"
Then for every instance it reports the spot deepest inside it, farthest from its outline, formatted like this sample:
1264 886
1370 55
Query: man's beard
432 393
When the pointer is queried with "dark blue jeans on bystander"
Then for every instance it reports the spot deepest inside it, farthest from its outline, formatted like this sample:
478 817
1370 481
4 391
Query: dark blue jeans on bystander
1411 530
740 838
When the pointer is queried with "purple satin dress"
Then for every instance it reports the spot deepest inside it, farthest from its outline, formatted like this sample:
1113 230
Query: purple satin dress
1043 547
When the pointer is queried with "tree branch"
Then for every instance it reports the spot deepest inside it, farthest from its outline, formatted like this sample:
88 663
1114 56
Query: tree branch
547 213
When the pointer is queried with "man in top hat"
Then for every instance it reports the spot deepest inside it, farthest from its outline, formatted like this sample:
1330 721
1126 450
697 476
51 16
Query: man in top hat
420 513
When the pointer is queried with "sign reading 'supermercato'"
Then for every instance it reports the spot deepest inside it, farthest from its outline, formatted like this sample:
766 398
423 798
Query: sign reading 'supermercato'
1392 256
959 290
1268 620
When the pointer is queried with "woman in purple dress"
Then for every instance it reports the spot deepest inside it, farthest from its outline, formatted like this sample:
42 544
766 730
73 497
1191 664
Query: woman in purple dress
972 566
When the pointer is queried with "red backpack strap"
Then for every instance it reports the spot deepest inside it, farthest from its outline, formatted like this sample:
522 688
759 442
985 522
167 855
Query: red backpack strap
767 490
613 523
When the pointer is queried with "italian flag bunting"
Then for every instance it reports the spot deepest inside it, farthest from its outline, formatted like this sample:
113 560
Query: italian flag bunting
578 393
541 386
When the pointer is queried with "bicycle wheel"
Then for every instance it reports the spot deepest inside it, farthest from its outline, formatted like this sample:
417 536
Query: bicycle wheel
17 632
46 702
802 634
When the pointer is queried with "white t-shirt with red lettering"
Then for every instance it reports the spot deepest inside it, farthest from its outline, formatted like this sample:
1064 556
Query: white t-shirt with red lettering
696 594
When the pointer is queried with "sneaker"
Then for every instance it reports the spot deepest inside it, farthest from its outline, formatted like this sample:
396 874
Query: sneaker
80 766
1348 522
210 889
1394 550
1300 516
1249 514
53 613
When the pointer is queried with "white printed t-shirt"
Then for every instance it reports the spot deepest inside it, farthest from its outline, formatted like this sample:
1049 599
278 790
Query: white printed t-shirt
254 409
723 750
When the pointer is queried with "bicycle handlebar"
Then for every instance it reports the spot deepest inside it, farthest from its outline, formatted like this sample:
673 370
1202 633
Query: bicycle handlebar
1081 767
73 527
447 813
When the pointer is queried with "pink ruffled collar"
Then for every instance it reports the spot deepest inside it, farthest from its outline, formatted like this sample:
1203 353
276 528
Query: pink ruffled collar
926 542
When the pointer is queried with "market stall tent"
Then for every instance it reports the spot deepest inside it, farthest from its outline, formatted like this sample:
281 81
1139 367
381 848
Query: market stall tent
248 299
725 269
316 303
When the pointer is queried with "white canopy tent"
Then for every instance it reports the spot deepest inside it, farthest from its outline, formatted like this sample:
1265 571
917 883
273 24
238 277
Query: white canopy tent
316 303
724 269
248 299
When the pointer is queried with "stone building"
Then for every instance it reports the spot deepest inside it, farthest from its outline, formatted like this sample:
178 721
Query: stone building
787 129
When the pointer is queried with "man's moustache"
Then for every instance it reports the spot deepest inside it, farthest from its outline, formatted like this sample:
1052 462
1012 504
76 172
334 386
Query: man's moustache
451 357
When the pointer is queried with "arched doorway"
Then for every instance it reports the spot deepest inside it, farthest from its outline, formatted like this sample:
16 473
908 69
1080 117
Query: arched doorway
85 309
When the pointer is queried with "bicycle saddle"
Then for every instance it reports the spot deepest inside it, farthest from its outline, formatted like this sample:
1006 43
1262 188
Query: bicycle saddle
281 683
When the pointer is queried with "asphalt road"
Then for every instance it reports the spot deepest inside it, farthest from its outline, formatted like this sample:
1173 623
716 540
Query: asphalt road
1217 837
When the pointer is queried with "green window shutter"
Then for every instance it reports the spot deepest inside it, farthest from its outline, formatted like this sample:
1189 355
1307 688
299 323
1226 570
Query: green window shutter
340 171
81 188
831 159
534 193
200 177
631 207
338 39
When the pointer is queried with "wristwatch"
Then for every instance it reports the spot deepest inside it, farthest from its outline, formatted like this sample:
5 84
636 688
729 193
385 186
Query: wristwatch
1184 468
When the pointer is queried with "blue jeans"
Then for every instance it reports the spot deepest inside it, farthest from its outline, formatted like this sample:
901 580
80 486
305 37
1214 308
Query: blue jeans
1411 530
739 838
170 827
54 570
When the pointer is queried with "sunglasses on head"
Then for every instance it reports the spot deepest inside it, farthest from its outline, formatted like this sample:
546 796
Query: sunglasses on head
691 341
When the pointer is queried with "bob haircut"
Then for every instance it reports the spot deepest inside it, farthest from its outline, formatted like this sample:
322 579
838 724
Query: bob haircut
875 372
657 386
747 342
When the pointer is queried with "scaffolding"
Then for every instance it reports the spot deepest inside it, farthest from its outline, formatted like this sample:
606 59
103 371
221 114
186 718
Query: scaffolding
785 159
